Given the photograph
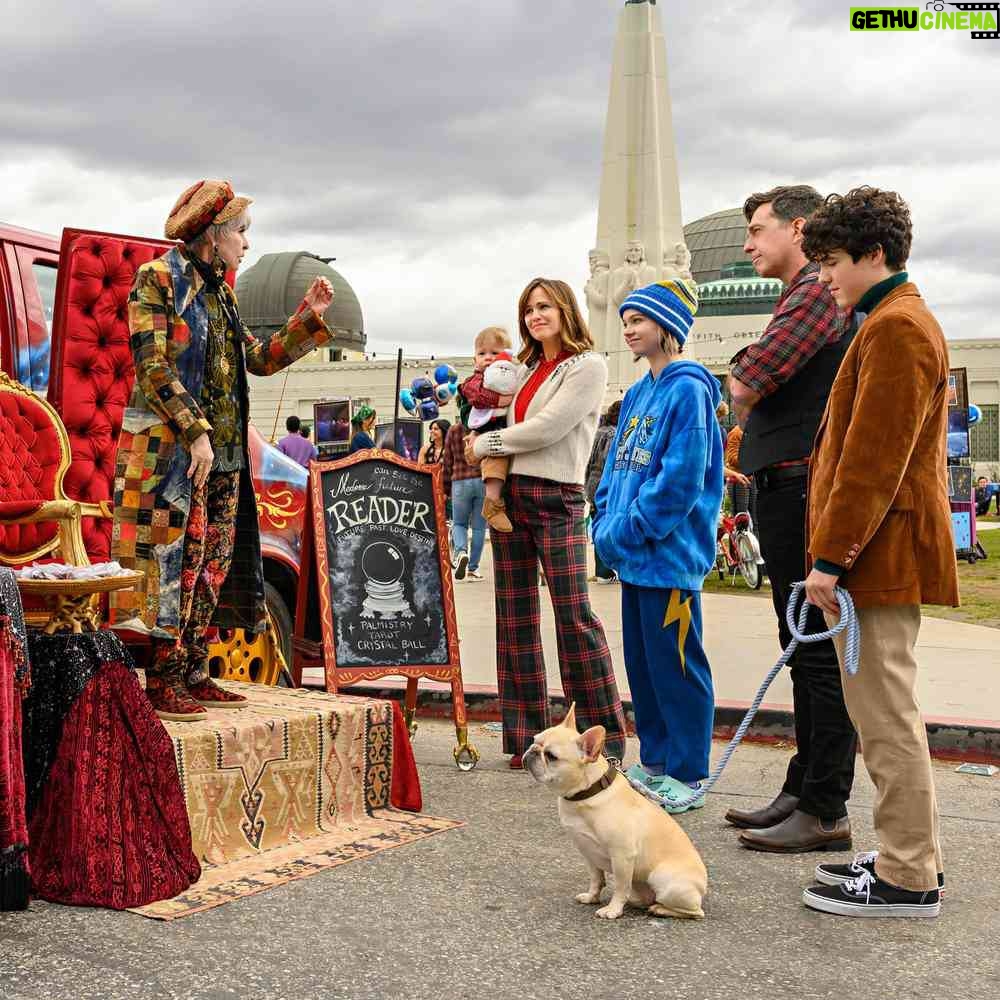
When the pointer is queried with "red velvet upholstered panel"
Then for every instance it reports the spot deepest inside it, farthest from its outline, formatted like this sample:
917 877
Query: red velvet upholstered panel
96 374
29 460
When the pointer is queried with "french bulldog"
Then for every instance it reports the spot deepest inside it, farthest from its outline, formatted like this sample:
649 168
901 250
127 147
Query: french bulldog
654 864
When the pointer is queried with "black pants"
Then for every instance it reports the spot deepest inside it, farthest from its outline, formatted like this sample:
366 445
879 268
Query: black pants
822 771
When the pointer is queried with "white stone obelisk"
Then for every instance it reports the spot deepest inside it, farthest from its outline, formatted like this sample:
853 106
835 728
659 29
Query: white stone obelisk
640 237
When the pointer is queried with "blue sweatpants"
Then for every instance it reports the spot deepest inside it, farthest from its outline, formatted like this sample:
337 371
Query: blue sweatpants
670 680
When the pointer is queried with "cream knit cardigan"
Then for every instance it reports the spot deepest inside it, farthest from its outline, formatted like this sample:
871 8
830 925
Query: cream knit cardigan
555 437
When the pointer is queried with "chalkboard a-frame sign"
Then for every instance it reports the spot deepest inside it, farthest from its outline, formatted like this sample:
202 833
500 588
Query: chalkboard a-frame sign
386 596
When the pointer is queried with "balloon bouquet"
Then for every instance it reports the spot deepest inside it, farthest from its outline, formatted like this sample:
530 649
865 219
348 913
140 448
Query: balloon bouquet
423 398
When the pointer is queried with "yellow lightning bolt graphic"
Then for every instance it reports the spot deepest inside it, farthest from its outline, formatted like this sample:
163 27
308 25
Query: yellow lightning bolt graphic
679 611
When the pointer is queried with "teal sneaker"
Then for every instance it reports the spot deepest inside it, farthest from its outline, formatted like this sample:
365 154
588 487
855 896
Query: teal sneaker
674 791
641 776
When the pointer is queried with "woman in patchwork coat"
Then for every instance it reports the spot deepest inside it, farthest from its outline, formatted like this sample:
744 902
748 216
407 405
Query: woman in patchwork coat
185 510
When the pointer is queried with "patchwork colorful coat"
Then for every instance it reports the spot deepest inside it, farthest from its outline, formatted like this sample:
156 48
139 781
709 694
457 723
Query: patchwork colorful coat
168 321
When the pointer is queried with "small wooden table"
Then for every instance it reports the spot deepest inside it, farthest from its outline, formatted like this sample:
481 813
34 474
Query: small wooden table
71 600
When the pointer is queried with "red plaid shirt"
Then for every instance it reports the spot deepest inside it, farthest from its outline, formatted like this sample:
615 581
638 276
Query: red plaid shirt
453 463
805 319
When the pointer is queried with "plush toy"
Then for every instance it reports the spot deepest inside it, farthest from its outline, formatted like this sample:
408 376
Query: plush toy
501 377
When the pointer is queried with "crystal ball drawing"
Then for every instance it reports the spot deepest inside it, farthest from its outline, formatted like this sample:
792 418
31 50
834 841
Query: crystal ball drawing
383 563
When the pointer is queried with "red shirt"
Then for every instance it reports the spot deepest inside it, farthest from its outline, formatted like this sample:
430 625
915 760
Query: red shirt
538 376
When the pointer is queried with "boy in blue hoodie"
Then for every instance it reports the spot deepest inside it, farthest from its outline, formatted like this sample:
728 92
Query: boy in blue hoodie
655 518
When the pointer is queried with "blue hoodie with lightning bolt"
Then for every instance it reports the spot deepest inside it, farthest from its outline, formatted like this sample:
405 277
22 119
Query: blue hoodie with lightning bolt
658 501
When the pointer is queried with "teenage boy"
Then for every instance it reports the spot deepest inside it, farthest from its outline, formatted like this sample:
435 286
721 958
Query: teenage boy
779 387
655 515
879 525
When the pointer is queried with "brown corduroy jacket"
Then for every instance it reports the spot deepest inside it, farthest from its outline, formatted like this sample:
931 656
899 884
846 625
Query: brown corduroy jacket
878 494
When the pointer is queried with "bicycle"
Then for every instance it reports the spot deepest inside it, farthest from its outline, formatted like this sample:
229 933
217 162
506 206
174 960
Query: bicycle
737 549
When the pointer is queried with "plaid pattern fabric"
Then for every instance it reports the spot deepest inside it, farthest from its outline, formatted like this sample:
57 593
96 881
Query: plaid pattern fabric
476 394
805 319
454 465
208 554
548 528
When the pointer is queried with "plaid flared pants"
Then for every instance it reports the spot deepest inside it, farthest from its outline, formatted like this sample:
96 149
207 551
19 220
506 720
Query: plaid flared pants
549 528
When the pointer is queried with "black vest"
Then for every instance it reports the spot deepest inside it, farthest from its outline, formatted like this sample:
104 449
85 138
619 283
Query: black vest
782 426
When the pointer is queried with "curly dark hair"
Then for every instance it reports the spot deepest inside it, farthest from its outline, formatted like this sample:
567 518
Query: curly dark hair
858 223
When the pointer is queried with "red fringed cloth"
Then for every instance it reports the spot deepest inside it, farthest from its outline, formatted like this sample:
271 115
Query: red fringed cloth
14 682
106 815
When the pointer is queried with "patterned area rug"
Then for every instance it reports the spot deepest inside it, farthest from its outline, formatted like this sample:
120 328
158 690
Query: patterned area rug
296 783
385 829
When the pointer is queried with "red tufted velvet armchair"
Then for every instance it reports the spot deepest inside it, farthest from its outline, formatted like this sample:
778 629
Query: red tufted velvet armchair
92 373
37 519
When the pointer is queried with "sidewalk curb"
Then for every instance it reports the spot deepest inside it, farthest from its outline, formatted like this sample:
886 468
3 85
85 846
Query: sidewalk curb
968 740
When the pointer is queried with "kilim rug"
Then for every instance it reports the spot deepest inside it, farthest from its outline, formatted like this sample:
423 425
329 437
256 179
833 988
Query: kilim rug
296 783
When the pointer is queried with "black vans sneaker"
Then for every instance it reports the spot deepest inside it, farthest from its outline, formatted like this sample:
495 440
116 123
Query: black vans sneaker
835 874
461 565
868 896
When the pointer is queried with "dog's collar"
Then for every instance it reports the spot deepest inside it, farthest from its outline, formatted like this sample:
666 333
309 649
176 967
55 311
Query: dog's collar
598 786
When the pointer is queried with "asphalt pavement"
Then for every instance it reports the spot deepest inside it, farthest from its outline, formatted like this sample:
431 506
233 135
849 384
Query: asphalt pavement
487 912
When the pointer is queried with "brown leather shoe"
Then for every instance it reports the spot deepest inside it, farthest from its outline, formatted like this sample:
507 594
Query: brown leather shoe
799 833
771 815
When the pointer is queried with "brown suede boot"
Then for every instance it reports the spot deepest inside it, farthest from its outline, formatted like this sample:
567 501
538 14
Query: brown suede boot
495 515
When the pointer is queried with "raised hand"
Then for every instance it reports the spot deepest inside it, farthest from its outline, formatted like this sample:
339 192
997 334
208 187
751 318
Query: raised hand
319 296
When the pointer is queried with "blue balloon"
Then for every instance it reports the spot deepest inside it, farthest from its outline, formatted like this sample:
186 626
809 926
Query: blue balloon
422 387
429 409
442 393
975 414
444 373
406 398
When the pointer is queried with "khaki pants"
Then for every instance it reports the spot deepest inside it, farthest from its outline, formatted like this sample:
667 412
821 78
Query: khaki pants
882 703
494 467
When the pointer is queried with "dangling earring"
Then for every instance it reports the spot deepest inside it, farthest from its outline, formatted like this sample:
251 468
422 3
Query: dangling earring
218 264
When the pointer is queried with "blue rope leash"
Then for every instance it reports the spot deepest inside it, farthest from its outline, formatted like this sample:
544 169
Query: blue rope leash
852 652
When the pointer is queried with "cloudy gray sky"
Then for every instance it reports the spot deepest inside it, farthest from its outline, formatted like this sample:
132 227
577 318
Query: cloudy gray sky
447 152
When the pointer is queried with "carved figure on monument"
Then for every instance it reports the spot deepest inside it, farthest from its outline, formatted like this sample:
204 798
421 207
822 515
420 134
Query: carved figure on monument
677 262
634 273
596 289
596 293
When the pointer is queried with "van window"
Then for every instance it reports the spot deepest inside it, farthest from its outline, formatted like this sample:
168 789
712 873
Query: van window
40 296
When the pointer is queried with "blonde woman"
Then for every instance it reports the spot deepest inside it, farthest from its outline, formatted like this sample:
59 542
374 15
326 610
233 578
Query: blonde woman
185 515
551 425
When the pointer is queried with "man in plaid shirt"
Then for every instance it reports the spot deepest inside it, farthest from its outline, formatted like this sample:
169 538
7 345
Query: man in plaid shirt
779 388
